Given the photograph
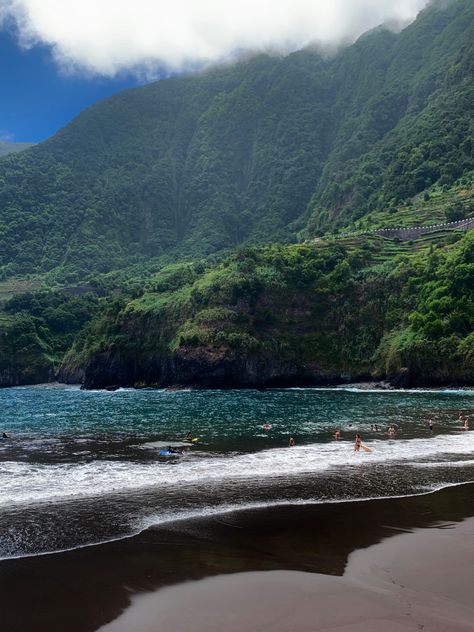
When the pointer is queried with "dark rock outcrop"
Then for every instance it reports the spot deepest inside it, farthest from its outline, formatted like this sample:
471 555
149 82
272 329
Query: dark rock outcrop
207 368
21 376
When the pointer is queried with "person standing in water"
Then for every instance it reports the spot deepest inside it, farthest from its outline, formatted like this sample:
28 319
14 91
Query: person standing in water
391 431
430 424
358 442
291 441
337 435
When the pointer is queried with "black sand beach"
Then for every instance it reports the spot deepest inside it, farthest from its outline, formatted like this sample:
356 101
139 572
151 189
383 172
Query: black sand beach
395 564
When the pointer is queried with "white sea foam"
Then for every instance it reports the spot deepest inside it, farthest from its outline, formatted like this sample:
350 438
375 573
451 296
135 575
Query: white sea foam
27 483
154 520
361 389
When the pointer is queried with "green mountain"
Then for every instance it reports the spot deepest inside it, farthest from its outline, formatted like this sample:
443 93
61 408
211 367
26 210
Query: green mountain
269 149
138 245
7 147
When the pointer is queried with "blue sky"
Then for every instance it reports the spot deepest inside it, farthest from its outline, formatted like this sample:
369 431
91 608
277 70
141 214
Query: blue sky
110 45
37 98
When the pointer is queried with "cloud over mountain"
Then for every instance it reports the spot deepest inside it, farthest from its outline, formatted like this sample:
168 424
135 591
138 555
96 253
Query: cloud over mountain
109 36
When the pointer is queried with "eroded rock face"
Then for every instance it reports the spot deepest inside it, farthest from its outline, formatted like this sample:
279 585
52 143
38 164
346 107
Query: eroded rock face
68 375
14 376
200 367
205 368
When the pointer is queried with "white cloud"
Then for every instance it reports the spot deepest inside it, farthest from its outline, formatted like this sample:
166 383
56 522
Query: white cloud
6 136
108 36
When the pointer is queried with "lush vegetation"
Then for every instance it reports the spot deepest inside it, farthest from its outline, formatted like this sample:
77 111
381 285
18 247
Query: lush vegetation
296 313
358 307
269 149
36 330
7 147
438 204
138 245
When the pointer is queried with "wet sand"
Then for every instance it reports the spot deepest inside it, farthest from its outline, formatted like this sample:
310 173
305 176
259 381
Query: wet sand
418 581
386 565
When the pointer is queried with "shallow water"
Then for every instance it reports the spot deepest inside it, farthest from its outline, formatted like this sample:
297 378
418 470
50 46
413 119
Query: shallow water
84 467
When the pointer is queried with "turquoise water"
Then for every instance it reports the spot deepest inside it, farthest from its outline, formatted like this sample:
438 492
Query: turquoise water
83 467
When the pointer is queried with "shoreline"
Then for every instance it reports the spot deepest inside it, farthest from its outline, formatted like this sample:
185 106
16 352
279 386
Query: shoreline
392 586
220 512
369 386
223 511
84 589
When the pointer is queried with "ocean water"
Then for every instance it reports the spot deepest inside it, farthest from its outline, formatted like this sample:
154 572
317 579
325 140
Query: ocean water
83 467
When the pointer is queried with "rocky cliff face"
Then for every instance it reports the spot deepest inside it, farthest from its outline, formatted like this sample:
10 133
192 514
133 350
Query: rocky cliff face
207 368
216 368
21 376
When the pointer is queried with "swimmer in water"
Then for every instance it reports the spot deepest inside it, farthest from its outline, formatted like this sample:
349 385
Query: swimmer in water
267 426
358 442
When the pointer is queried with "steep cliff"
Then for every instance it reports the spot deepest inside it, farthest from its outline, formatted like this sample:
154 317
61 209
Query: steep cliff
292 315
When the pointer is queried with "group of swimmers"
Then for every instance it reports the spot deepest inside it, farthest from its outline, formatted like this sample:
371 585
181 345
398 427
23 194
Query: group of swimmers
391 430
374 427
357 445
462 419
